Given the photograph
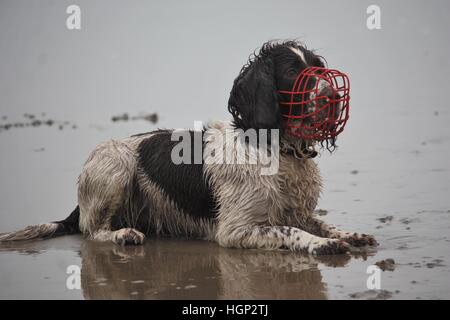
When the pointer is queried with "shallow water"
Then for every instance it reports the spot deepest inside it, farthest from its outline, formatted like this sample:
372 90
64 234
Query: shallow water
390 176
181 269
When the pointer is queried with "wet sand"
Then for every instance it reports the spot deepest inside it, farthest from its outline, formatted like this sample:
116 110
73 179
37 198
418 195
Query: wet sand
403 202
411 226
182 269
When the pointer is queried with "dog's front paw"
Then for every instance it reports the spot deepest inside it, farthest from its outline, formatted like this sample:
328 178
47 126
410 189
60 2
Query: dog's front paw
129 236
358 240
331 246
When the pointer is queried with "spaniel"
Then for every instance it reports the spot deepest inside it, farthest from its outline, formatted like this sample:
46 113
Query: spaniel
132 188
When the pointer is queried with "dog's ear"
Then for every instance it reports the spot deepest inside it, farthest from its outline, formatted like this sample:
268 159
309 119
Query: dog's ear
253 99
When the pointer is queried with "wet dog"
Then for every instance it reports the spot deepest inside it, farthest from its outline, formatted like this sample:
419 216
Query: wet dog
131 188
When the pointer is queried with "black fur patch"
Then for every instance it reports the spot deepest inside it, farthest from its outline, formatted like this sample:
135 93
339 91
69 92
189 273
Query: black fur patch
185 184
70 225
150 132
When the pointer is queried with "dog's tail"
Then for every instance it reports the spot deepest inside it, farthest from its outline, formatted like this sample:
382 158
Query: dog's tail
70 225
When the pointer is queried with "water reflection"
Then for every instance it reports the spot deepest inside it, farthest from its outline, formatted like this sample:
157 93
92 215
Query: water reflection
174 269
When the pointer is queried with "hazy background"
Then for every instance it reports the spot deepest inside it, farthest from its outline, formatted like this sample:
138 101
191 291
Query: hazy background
179 58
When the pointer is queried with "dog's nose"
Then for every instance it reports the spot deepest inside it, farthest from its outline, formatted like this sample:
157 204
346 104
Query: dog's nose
329 104
329 93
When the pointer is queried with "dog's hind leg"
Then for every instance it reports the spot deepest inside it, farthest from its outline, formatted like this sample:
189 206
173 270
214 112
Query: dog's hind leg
104 190
277 237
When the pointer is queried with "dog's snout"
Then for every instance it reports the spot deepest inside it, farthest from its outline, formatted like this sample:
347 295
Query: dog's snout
318 103
329 93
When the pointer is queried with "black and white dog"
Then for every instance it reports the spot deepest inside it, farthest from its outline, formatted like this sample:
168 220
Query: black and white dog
130 188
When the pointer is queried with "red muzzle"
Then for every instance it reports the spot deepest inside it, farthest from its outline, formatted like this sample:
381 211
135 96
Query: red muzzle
318 106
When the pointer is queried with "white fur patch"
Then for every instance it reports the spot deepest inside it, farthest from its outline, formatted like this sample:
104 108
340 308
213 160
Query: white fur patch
299 53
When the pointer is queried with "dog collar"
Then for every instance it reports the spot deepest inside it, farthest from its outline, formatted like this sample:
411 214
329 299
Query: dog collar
294 153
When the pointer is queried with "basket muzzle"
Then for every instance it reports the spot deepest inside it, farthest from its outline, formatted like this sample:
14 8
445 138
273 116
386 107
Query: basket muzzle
317 107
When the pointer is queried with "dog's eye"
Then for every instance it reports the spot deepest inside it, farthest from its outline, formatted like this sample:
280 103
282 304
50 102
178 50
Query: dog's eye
291 72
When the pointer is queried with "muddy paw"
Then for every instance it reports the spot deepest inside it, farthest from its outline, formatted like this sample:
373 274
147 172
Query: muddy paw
333 246
129 236
359 240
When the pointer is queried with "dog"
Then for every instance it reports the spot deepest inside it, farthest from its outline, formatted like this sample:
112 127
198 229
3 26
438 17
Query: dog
130 189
